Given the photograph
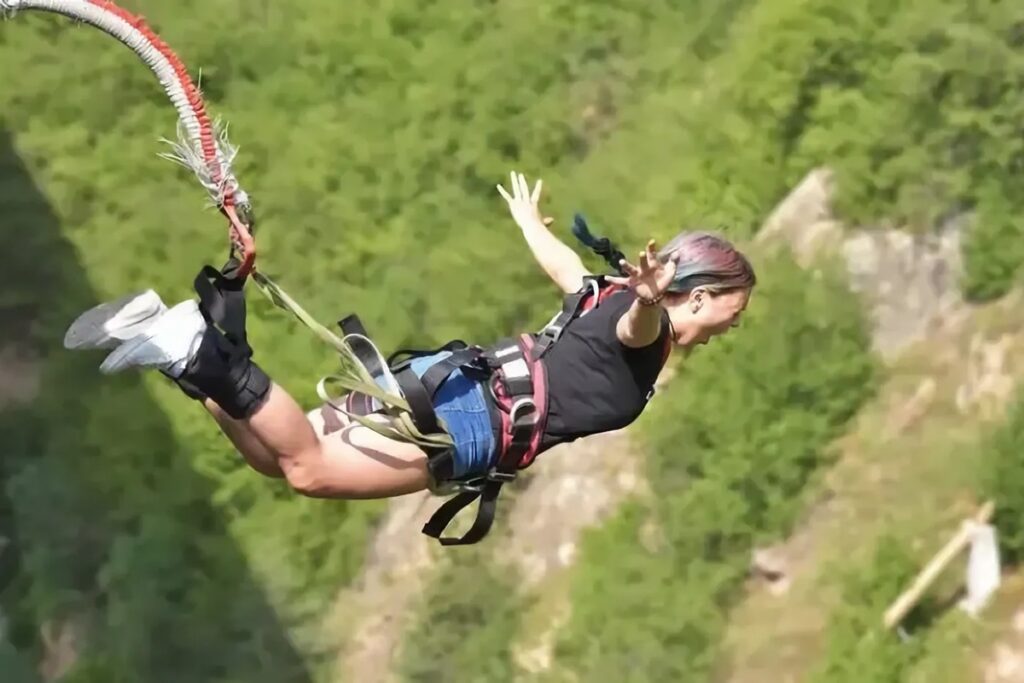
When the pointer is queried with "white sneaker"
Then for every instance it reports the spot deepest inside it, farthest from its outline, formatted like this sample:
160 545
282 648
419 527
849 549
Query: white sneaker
107 325
167 344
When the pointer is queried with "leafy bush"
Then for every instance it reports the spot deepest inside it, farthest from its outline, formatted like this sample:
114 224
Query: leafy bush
859 648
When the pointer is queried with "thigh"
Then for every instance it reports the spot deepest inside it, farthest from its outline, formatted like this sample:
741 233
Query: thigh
364 464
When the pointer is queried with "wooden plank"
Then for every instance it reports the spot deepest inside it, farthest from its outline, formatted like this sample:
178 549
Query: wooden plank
910 597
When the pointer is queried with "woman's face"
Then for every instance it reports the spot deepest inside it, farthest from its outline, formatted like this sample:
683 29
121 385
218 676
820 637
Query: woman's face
702 315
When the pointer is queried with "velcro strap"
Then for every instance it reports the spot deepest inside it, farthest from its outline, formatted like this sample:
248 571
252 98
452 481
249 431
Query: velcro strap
222 304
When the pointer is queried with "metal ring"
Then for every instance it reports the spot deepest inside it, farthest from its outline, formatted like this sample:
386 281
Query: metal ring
525 401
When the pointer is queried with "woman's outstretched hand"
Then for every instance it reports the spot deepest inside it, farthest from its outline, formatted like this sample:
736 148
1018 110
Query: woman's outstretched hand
524 204
651 278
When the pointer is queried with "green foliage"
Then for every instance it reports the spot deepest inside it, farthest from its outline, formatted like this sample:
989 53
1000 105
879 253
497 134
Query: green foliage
371 137
467 624
916 104
1002 480
733 440
15 666
859 648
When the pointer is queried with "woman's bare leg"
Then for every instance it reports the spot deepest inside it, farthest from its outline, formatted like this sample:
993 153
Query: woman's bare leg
280 439
252 449
276 436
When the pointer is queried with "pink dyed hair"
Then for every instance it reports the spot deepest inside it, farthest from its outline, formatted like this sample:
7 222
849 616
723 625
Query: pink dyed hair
704 259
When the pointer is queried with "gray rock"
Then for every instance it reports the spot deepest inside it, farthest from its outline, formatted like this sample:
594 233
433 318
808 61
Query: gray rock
909 282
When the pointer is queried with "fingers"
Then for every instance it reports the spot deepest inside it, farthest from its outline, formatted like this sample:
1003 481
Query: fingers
520 189
651 255
520 198
628 267
524 188
504 194
647 264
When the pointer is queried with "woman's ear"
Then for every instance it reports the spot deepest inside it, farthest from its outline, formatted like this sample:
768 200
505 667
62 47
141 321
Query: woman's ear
698 297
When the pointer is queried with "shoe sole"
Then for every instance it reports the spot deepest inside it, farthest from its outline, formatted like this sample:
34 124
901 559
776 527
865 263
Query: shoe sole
119 358
108 324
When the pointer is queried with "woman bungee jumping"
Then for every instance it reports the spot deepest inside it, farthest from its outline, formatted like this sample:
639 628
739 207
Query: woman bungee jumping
592 369
458 419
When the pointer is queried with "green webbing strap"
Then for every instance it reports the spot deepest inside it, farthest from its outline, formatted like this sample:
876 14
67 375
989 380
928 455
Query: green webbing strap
353 376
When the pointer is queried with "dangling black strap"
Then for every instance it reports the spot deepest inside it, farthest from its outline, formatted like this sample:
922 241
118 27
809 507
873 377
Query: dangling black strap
484 516
503 473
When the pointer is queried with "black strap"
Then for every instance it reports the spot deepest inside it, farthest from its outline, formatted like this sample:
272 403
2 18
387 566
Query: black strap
437 373
488 496
440 461
351 324
419 392
395 364
368 356
571 306
222 305
419 400
484 517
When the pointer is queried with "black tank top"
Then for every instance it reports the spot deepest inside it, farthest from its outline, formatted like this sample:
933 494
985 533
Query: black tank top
595 382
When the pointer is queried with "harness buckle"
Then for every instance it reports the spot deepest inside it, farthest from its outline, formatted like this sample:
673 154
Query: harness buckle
504 477
595 293
477 484
553 330
474 485
525 403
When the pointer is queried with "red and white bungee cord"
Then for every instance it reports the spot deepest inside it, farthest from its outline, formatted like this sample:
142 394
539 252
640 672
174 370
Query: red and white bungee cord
202 146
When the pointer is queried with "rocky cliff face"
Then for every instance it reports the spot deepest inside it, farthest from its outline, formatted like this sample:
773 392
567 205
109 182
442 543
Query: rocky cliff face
909 282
